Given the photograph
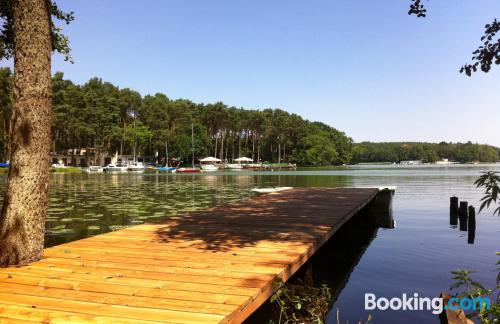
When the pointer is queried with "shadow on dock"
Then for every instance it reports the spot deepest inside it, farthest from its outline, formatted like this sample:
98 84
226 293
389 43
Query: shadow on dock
334 262
297 217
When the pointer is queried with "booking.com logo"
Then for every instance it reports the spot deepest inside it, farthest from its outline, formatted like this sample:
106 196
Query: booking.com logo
436 304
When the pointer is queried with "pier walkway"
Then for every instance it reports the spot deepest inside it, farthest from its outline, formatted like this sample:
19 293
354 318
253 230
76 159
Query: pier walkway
210 266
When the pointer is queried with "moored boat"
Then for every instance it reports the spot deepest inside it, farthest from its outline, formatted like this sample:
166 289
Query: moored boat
254 166
233 167
95 168
136 167
165 169
5 165
187 170
210 164
114 168
248 164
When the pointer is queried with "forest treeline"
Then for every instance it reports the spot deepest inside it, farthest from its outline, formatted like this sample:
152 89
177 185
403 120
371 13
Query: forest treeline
426 152
100 115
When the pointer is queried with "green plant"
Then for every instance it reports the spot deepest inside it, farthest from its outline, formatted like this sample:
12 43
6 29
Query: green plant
301 303
490 181
473 289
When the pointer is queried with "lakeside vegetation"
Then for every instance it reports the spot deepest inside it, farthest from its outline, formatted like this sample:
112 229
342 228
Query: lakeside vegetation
426 152
100 115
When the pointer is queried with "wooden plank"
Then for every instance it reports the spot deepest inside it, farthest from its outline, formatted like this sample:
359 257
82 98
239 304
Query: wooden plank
78 253
215 265
23 314
113 299
145 283
250 281
117 268
95 308
96 286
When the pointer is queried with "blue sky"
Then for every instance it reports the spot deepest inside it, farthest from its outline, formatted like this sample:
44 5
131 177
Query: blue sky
364 67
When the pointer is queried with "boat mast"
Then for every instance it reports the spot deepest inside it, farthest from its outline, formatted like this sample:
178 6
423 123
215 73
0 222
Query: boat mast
192 143
166 153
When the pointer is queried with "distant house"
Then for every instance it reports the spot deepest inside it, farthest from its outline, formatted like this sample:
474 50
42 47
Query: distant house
78 157
84 157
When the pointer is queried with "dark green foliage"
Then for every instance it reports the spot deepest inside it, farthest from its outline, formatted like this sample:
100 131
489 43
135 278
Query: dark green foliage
427 152
485 55
467 287
491 182
5 106
417 9
60 42
301 303
98 114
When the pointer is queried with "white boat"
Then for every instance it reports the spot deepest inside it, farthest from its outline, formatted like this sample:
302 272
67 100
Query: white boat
233 166
240 165
209 167
115 168
271 190
136 166
210 164
95 168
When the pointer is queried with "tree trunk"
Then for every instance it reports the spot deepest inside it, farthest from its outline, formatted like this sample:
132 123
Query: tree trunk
227 146
239 145
246 142
22 224
216 140
232 149
279 152
258 152
253 146
221 153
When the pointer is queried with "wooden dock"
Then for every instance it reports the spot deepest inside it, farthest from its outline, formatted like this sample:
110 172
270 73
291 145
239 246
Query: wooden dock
212 266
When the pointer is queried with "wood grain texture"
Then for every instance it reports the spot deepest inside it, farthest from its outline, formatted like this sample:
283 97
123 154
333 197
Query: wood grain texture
211 266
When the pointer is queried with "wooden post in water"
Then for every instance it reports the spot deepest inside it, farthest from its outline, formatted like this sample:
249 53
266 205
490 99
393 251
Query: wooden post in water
471 234
453 210
462 215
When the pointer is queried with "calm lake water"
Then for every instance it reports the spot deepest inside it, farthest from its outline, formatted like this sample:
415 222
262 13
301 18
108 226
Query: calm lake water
416 256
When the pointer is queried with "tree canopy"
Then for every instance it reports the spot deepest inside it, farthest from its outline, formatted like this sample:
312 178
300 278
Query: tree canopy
427 152
100 115
60 42
485 55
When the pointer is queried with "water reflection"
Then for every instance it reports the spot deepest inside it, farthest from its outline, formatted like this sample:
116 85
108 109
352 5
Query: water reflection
416 257
82 205
334 262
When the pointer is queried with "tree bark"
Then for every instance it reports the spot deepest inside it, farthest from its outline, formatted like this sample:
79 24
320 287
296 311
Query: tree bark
239 145
22 224
221 153
216 139
279 152
258 152
253 146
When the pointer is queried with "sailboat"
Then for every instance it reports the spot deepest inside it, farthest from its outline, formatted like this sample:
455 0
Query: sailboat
166 168
192 169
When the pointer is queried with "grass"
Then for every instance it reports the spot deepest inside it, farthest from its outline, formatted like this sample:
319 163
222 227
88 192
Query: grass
66 170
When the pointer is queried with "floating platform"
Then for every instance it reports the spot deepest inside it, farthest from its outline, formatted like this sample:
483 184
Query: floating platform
213 266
